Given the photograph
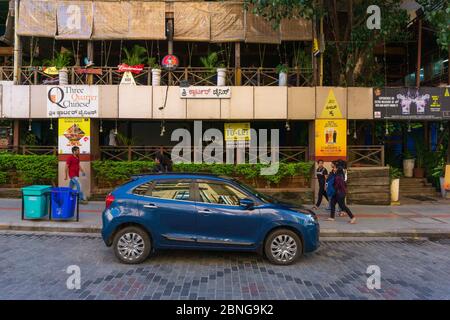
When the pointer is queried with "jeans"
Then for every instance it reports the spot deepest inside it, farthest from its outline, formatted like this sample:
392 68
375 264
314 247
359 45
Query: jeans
75 182
340 199
322 193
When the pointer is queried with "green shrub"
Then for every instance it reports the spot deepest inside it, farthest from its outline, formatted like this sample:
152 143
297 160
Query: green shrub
31 169
113 172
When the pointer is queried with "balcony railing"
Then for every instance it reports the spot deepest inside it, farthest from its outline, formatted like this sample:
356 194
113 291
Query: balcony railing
30 150
365 156
146 153
195 76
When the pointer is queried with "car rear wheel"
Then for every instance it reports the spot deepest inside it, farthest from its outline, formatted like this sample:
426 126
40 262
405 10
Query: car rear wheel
283 247
132 245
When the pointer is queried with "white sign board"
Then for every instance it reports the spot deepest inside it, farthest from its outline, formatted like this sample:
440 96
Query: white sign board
127 78
72 101
204 92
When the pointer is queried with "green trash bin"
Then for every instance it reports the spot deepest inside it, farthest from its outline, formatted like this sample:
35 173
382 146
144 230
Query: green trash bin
35 201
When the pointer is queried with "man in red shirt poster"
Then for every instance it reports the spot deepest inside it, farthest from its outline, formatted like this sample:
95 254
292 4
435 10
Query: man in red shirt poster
73 171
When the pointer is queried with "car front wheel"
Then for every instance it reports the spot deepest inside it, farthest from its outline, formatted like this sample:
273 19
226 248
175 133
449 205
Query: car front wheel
132 245
283 247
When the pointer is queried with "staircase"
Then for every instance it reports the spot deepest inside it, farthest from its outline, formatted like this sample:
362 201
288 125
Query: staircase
416 187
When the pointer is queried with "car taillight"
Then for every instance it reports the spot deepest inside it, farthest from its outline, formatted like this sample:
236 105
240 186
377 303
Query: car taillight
109 199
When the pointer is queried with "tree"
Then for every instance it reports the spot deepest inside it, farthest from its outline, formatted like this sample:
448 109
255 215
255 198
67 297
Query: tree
350 44
437 13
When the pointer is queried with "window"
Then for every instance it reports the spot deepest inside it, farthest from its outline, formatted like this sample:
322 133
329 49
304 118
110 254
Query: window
220 193
143 189
172 189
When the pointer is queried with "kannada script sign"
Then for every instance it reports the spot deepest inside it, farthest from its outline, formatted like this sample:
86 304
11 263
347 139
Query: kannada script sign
72 101
205 92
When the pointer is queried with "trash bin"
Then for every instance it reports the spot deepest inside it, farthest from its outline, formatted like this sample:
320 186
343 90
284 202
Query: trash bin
63 202
35 201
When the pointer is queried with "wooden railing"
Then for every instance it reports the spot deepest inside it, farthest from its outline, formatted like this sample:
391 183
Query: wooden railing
142 153
195 76
31 150
365 156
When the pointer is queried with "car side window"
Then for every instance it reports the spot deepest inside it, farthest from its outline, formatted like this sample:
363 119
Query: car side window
143 189
220 193
171 189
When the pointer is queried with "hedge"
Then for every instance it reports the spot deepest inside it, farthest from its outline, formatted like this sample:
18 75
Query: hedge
115 172
29 169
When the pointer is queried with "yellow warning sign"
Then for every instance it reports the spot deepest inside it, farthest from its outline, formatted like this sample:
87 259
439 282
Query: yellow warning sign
446 94
331 108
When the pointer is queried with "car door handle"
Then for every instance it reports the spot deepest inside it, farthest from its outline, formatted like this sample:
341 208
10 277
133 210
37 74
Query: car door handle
150 206
205 211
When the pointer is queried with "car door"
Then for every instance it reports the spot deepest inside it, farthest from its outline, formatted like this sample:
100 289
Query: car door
170 203
221 221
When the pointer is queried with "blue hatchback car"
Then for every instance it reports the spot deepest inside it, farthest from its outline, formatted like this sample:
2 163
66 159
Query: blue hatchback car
201 211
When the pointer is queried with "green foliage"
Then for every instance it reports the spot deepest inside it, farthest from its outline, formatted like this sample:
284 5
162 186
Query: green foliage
125 141
211 62
437 13
395 173
60 61
136 56
282 68
113 172
152 63
31 169
30 139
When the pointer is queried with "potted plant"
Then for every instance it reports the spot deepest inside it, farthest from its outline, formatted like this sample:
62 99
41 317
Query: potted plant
221 75
395 175
282 71
408 164
137 55
212 64
419 171
60 61
156 71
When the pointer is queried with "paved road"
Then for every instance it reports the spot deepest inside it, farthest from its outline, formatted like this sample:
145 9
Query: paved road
33 266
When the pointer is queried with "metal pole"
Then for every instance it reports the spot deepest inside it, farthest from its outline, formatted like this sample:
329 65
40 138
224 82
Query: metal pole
17 45
419 53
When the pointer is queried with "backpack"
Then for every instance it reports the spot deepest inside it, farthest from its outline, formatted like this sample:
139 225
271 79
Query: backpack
331 191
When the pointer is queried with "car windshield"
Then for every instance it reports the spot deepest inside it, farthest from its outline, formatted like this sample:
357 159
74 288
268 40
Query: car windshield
263 197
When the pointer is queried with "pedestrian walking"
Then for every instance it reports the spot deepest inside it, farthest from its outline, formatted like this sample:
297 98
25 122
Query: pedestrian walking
321 174
72 171
163 162
339 196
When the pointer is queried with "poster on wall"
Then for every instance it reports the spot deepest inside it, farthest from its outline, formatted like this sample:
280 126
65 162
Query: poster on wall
426 103
331 139
74 132
72 101
237 133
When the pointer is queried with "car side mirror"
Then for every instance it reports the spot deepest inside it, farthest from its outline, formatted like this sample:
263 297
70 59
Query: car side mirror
247 203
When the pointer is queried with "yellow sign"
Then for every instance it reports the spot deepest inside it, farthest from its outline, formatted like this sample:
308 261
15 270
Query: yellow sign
237 131
51 70
447 177
446 94
331 139
74 132
331 108
316 49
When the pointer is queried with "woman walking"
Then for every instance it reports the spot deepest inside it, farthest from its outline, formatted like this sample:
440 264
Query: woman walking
339 196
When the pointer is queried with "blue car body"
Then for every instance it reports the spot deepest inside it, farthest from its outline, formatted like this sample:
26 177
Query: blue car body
192 224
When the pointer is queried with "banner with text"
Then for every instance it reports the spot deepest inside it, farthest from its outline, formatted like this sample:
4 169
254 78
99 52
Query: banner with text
331 139
205 92
72 101
425 103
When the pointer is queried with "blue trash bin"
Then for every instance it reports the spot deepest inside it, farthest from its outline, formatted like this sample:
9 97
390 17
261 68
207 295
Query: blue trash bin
63 201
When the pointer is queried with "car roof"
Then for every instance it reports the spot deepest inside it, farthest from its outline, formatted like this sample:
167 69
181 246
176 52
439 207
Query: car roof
186 175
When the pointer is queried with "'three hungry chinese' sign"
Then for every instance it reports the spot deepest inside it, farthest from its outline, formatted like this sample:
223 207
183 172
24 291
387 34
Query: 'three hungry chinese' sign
72 101
205 92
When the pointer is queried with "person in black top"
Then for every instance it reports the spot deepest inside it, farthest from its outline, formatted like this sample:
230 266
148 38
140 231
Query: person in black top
162 162
321 174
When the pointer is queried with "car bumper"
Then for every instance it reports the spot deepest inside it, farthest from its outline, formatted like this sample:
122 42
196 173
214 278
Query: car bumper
311 238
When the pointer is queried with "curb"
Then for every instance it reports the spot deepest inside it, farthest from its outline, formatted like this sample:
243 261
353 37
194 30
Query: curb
324 233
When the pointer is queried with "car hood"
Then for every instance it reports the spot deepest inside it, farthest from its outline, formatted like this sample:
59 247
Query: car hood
292 207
